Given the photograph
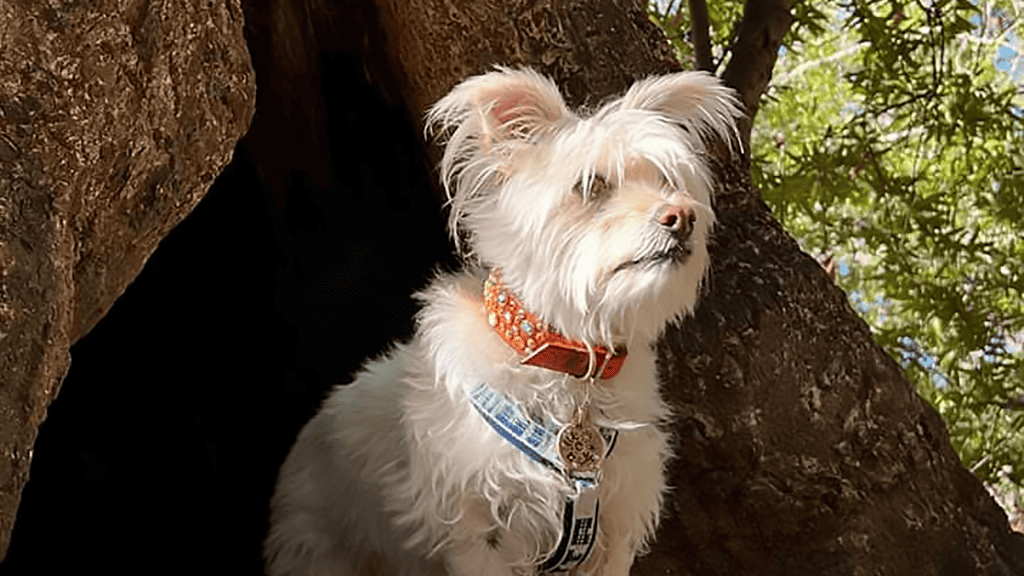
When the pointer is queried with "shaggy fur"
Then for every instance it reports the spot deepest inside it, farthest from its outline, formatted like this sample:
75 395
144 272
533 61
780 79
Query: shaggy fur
397 474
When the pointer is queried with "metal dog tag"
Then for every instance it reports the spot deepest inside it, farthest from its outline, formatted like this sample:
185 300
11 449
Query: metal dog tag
580 444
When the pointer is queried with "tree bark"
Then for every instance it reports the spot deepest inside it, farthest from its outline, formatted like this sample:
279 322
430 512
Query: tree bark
700 32
801 447
114 120
753 54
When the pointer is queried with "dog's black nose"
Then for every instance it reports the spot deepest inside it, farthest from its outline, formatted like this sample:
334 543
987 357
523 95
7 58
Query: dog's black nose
677 220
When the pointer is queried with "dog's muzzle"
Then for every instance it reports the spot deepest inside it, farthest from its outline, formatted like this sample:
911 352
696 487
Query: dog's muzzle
677 223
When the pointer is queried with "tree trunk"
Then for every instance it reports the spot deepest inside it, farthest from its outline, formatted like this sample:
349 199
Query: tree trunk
114 121
801 447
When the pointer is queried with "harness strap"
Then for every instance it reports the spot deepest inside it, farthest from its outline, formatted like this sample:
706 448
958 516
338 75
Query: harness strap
537 437
579 532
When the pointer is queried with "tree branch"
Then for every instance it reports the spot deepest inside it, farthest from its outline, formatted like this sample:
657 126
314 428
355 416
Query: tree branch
701 37
1016 403
764 24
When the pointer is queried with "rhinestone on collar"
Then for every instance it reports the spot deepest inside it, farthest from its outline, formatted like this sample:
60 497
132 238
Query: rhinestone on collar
539 343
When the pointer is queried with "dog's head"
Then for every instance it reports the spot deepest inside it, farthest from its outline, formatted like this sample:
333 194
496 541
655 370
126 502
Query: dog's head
599 222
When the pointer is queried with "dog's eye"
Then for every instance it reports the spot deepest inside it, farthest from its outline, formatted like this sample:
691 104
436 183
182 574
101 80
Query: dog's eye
598 187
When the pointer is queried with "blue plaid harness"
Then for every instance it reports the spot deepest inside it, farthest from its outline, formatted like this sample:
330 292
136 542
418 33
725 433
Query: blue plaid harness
537 437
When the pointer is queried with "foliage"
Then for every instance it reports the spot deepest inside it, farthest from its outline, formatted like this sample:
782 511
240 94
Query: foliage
891 142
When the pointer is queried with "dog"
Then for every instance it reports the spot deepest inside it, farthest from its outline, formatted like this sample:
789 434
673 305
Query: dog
520 431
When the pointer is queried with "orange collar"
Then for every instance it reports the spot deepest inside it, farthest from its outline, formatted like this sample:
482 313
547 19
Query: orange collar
539 343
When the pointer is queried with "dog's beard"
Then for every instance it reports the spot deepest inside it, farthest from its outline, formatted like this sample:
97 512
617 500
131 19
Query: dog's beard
675 255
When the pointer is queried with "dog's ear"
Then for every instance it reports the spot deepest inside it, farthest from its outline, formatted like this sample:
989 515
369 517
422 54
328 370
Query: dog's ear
502 106
695 100
487 121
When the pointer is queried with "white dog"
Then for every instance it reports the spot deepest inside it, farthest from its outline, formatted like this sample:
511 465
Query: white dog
513 434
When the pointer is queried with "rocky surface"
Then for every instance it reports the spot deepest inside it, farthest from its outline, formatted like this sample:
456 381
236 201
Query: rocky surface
115 118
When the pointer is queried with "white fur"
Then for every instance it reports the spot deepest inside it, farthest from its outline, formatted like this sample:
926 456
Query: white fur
397 474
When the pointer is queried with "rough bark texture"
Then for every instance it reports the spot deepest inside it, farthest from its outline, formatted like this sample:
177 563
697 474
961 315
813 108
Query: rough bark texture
754 51
592 49
115 117
802 449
